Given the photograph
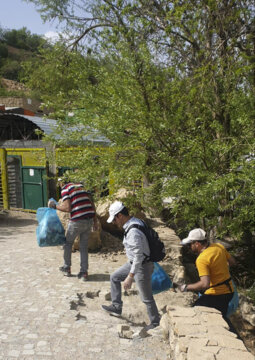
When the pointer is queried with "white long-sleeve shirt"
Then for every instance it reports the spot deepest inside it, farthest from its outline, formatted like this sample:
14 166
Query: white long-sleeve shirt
136 244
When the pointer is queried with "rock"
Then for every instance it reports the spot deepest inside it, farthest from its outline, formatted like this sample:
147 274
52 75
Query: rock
105 295
142 333
247 309
121 328
94 242
165 324
103 211
128 334
125 332
157 331
111 243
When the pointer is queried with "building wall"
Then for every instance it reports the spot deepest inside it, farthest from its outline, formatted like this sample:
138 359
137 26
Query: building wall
20 102
29 156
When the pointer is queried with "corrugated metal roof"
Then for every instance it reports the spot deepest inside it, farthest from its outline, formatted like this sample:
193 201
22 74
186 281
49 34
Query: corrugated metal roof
48 126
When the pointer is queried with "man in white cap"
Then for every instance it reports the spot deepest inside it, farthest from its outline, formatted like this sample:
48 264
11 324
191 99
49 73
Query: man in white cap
212 263
137 269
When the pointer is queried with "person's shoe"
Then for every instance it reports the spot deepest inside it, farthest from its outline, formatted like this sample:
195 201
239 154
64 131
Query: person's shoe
83 275
112 310
66 270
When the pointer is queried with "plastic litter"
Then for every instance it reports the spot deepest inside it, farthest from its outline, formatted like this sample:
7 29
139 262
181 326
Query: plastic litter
50 231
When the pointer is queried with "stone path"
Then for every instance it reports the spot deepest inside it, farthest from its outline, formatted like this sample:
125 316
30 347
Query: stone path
45 315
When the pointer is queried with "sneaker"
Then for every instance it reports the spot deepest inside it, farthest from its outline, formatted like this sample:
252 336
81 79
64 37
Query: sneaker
112 310
66 270
83 275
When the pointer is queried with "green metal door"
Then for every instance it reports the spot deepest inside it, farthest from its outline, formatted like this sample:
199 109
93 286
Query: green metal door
34 187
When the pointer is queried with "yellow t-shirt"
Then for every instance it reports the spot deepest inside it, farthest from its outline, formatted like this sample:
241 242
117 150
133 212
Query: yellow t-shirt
213 262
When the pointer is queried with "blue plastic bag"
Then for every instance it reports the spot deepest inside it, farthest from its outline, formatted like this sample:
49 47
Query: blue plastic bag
160 281
234 302
50 231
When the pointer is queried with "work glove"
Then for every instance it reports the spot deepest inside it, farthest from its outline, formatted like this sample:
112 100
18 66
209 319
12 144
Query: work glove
183 288
52 204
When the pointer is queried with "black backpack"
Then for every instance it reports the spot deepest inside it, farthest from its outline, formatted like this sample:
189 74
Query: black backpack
157 247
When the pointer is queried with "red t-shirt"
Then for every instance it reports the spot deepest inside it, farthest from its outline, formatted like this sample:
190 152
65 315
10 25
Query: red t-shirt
81 206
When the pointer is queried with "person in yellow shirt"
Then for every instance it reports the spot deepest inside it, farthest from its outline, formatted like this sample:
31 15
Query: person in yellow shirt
212 263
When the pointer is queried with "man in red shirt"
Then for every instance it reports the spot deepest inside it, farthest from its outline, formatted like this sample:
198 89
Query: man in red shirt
80 205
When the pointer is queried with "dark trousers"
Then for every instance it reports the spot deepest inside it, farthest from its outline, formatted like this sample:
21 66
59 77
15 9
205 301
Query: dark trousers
219 302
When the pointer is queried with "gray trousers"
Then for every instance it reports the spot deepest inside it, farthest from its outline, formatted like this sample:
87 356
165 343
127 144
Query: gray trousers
75 228
143 282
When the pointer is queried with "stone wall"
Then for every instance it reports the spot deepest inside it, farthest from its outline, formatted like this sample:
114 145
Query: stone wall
200 333
194 333
20 102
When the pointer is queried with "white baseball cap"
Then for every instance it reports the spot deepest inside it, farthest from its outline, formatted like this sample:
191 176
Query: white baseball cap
194 235
114 209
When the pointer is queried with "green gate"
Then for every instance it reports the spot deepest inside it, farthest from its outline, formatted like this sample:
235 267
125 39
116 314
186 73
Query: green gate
34 186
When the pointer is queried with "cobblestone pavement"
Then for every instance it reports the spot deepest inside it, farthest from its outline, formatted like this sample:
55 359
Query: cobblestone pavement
45 315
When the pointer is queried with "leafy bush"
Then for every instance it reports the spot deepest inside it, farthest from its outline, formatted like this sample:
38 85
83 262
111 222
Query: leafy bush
10 70
3 52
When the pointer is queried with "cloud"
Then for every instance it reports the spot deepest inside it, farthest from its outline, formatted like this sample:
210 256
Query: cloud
52 36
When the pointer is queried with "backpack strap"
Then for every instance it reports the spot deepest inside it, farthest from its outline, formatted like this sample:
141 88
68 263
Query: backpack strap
142 228
135 226
225 282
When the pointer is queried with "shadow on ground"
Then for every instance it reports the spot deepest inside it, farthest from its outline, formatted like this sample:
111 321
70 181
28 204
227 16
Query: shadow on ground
99 277
12 222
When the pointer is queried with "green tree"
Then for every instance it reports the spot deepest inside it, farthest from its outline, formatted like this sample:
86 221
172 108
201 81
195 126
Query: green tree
10 69
3 51
22 39
25 45
173 90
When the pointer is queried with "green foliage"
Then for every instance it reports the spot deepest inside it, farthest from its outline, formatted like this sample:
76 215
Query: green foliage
22 46
22 39
10 70
251 293
3 52
171 85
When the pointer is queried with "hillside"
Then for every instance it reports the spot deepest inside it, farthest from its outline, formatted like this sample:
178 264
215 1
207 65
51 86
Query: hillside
12 86
16 46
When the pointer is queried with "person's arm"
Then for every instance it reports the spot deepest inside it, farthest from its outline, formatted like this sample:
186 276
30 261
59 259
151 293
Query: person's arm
137 242
202 284
65 206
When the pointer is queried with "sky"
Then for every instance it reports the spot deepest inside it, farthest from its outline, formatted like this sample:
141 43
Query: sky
15 14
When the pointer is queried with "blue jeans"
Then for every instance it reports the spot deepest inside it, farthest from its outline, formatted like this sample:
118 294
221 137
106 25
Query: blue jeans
75 228
143 282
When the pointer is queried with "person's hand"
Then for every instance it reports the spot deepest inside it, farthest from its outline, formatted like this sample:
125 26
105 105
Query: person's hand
183 288
128 282
51 204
